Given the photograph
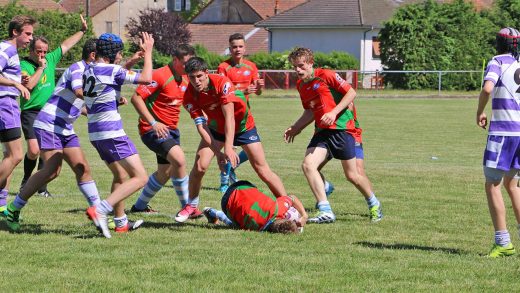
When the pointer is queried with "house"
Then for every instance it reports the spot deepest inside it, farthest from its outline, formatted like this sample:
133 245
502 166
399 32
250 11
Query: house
221 18
111 16
36 5
342 25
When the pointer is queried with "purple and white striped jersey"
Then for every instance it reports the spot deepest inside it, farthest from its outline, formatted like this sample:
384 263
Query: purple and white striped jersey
102 89
63 107
504 72
10 69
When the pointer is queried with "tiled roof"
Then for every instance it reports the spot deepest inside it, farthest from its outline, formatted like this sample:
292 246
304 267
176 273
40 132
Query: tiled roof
80 5
318 13
265 8
36 5
214 37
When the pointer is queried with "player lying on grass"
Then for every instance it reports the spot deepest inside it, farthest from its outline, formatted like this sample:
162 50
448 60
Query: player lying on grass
245 207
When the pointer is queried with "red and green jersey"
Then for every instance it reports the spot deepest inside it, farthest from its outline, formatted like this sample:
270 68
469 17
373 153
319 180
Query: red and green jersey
357 130
241 75
220 92
251 209
321 94
163 97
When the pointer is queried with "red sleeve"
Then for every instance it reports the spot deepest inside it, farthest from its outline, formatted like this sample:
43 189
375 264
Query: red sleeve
146 90
221 69
254 74
335 81
190 105
226 89
284 203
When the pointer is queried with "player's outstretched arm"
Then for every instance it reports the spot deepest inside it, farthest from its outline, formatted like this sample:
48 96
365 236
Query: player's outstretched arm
74 39
305 119
482 102
297 204
229 115
146 43
23 90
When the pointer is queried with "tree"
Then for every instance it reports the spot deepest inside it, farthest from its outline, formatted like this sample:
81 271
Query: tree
169 29
434 36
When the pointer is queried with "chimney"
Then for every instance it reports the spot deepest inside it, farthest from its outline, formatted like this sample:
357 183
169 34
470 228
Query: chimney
275 7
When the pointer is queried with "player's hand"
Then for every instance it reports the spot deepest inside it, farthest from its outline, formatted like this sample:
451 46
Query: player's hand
289 134
146 42
24 92
231 156
251 89
122 101
482 120
84 25
25 80
221 160
302 221
161 130
42 62
328 118
260 83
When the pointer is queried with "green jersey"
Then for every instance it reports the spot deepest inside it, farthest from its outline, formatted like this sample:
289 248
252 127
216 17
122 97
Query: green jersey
45 86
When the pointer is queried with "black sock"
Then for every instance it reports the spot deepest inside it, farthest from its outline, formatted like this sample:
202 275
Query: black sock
28 167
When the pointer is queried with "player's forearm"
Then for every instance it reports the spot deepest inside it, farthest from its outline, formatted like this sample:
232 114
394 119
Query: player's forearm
483 98
347 99
304 120
33 79
140 107
229 126
71 41
7 81
146 73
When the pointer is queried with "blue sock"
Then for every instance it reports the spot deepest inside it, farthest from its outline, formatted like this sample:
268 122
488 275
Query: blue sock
502 238
150 189
90 192
324 206
3 197
181 189
372 201
222 217
194 202
243 158
121 222
104 207
224 176
19 203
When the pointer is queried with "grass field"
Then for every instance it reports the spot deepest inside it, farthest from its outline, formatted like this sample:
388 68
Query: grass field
433 237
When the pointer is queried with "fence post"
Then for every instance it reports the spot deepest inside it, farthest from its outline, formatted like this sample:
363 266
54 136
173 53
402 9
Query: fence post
355 80
440 82
287 80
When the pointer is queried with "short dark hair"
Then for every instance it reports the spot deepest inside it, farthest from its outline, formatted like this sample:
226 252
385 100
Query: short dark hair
184 50
42 39
88 47
18 22
195 64
236 36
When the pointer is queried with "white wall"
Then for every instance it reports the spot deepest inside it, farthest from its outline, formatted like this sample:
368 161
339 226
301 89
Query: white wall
326 40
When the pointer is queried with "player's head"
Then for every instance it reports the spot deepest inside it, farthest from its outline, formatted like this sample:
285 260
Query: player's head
182 54
237 46
38 47
507 41
109 46
89 50
197 70
302 60
21 28
284 226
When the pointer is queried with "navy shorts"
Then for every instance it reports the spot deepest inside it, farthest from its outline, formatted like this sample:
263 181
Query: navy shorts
340 144
161 146
242 138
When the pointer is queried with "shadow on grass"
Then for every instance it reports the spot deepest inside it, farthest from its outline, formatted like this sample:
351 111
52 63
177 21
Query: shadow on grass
175 225
403 246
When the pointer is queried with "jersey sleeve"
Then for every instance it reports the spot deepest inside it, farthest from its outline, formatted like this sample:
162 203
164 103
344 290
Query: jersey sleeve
146 90
226 91
493 71
54 56
254 73
335 81
123 76
284 203
221 69
76 77
3 59
191 106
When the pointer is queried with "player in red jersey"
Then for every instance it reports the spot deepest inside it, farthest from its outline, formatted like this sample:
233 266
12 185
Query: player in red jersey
223 119
325 97
244 76
159 105
245 207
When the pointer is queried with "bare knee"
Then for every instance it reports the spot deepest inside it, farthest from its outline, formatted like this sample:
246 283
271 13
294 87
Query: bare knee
307 167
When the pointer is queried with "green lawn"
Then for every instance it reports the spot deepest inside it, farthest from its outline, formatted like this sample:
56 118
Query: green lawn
433 237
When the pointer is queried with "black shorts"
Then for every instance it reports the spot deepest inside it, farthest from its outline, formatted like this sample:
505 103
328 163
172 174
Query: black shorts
161 146
28 117
10 134
340 144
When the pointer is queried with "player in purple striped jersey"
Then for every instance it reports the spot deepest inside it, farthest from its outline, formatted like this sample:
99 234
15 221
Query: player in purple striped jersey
20 34
502 153
102 83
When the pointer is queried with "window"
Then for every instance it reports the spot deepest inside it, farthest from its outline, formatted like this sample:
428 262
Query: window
376 50
178 5
108 27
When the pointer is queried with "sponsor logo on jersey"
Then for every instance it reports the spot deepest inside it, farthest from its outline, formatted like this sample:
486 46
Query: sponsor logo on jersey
44 78
132 73
189 107
183 88
247 73
339 78
153 84
315 86
227 86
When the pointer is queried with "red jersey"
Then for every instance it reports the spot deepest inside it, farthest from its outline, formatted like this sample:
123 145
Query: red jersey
163 97
321 94
241 75
357 131
251 209
220 92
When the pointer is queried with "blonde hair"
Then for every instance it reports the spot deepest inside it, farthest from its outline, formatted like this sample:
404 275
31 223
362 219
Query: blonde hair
18 22
283 226
304 53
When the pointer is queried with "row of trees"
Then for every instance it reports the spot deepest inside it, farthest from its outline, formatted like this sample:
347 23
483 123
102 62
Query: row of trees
443 36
